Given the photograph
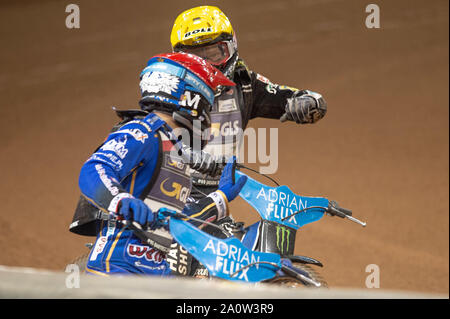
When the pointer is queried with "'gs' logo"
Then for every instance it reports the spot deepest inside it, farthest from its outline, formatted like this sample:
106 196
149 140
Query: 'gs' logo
178 191
225 129
175 164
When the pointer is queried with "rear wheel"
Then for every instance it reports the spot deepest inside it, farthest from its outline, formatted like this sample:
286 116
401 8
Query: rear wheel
288 281
81 262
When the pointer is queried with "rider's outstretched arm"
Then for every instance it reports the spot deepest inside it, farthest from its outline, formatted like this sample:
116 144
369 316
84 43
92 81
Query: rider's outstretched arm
270 100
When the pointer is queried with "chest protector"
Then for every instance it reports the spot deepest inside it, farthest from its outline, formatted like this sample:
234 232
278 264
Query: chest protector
172 185
226 130
229 118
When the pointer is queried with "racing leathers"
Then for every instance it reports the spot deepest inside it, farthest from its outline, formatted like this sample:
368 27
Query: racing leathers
137 161
253 96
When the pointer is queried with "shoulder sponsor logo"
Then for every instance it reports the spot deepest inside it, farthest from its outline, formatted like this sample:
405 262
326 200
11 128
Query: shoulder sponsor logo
117 146
141 123
271 88
262 78
136 133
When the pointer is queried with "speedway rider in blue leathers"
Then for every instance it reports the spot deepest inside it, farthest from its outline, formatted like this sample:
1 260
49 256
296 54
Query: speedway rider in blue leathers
136 171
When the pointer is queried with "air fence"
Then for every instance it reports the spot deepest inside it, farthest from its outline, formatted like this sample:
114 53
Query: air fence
30 283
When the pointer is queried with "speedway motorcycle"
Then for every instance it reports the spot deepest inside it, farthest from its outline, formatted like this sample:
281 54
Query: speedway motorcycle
260 253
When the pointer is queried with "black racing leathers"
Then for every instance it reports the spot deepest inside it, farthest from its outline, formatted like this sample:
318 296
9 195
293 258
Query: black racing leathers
254 96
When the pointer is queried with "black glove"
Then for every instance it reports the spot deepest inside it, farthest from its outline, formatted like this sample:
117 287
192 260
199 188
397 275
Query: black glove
202 161
305 107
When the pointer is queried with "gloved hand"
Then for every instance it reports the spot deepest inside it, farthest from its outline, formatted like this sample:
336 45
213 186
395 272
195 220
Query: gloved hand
227 184
305 107
135 209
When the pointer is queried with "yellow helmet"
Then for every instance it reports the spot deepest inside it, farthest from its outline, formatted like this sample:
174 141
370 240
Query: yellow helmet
205 31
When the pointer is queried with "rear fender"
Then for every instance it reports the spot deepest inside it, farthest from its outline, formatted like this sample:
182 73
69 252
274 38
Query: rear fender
305 260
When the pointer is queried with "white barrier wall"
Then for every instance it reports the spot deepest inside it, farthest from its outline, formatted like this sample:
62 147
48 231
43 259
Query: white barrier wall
29 283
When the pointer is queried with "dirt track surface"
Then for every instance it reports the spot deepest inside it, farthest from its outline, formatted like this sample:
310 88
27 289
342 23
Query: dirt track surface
382 149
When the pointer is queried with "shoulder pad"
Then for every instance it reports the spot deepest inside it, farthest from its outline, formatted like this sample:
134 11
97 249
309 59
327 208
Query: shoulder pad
130 114
240 64
242 72
149 120
154 121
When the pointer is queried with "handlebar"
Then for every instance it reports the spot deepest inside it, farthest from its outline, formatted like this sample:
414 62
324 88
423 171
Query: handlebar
335 210
159 237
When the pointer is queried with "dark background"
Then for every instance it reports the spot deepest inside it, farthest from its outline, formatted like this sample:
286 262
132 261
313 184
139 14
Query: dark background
382 149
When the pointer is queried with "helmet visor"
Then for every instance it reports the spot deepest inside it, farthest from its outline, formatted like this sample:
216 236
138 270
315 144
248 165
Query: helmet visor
216 54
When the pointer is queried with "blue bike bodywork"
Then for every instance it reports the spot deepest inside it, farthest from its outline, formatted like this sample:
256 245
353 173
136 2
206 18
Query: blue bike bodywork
278 203
237 260
225 258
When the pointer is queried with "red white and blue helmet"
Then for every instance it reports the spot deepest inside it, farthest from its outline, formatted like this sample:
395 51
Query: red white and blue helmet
183 85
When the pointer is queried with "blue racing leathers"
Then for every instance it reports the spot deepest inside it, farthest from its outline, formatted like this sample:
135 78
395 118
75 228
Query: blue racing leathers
137 160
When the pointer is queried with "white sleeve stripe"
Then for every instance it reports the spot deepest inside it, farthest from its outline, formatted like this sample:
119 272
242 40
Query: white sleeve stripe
221 204
115 201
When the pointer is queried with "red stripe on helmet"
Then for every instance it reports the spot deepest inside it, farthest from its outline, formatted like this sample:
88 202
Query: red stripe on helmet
205 71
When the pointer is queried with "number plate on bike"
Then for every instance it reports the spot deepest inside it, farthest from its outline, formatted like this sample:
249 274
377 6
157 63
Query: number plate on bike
279 204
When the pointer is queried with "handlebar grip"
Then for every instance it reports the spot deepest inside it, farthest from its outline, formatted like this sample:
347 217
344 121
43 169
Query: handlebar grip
335 210
347 212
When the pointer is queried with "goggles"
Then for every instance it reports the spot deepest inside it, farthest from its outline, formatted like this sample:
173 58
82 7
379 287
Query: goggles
217 53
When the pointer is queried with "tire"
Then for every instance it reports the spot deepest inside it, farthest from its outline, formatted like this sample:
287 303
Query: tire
81 262
290 282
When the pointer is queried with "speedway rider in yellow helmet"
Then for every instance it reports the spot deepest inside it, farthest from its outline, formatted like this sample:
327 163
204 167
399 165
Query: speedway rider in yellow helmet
206 31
